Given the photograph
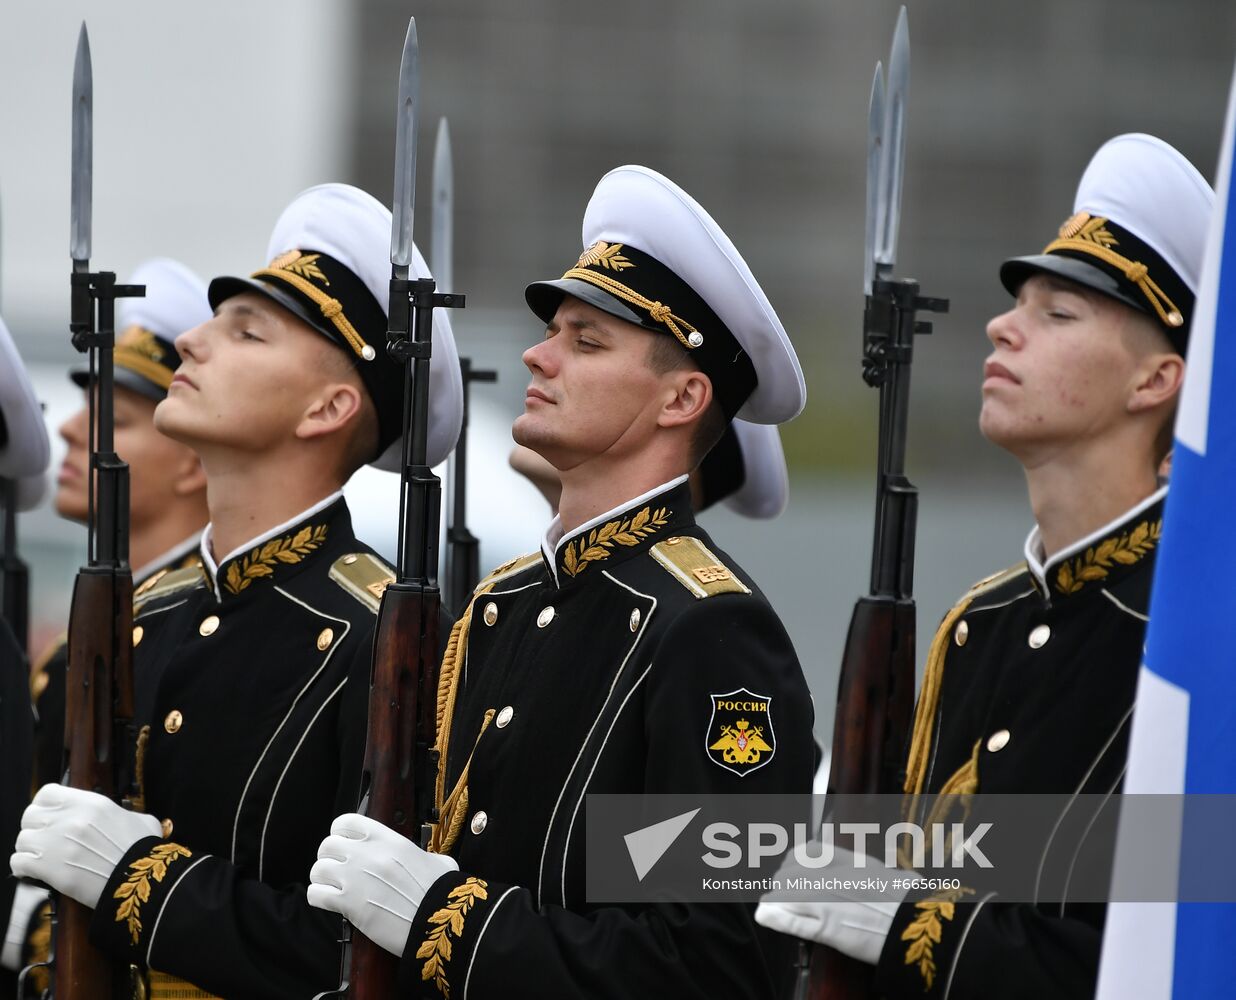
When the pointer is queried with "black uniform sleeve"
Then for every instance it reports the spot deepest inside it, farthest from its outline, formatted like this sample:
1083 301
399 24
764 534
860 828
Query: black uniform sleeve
200 918
976 950
477 938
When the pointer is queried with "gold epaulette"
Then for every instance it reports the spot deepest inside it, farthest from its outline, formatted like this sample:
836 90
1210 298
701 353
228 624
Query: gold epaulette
364 576
509 568
168 582
989 583
696 567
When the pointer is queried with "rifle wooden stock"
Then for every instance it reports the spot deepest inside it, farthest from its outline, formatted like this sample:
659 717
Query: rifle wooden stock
875 699
397 779
98 717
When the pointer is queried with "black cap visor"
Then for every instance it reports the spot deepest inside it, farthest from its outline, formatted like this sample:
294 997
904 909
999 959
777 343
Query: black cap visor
544 298
1015 271
222 289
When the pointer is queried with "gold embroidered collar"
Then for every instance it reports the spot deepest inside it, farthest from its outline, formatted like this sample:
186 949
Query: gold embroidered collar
620 533
1102 558
275 554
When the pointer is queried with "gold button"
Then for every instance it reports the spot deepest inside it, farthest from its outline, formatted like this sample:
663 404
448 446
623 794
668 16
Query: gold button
348 560
545 617
961 633
479 822
209 624
138 632
167 828
491 613
1039 636
325 638
505 717
673 541
635 619
998 740
174 721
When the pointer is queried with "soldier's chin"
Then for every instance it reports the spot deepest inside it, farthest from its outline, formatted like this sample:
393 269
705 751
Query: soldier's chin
71 505
171 420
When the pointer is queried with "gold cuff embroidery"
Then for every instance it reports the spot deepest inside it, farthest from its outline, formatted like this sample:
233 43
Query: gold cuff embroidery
135 890
290 550
600 540
923 933
436 948
1094 564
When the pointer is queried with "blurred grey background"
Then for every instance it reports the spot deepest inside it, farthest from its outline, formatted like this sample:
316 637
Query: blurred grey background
209 120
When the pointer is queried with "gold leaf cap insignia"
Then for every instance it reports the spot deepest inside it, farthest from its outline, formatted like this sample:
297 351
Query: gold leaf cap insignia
306 265
141 341
606 255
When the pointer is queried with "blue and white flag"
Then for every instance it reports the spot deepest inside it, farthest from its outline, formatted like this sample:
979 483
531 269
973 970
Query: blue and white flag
1184 727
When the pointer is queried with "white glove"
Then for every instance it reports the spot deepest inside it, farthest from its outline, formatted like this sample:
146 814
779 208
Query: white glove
72 840
375 878
26 899
848 920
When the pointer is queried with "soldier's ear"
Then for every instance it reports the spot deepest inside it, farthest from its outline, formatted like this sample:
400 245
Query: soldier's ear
690 395
1158 380
331 410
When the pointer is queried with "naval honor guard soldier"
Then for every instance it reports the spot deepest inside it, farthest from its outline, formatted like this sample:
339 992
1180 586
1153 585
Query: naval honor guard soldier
596 664
167 502
167 485
1031 677
252 669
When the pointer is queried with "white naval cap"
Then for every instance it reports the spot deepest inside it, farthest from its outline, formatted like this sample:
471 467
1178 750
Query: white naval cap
329 264
654 257
765 488
1137 233
147 327
24 446
745 470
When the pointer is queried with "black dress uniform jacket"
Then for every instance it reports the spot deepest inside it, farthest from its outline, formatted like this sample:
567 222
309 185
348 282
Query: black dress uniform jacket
47 673
253 682
1039 677
595 665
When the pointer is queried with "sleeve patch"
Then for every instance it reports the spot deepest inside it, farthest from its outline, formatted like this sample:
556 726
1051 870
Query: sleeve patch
696 567
740 731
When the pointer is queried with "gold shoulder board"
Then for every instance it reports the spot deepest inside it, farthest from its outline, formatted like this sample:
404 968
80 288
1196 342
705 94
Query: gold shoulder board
364 576
989 583
696 567
168 582
509 568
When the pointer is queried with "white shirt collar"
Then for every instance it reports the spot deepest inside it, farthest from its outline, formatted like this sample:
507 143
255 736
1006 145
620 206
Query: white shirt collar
555 537
1034 541
212 568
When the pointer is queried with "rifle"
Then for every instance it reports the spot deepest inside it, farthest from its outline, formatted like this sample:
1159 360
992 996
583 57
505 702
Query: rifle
400 763
463 556
99 676
875 693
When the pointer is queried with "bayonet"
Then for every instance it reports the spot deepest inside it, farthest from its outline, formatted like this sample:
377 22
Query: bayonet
875 156
892 160
442 248
83 154
407 116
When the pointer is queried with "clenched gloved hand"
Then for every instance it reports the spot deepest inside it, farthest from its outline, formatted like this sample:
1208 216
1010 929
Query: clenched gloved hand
374 877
